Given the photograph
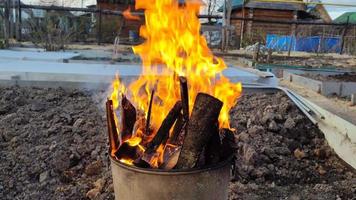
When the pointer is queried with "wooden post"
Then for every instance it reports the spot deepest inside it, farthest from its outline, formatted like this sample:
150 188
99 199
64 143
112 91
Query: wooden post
293 32
7 23
320 46
249 24
242 28
344 31
18 20
256 52
99 27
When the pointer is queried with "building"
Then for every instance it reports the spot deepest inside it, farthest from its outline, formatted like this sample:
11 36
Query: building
126 29
250 31
347 17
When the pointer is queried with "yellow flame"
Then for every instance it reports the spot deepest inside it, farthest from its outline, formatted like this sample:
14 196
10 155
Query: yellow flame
135 141
127 161
174 47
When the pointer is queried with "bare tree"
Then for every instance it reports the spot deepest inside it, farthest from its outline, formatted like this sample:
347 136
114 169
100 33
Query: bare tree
6 24
211 7
226 24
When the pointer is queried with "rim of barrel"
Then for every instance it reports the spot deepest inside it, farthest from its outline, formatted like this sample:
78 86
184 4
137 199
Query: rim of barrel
218 165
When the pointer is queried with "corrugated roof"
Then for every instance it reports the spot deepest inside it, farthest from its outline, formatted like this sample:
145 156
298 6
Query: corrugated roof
343 18
236 4
276 6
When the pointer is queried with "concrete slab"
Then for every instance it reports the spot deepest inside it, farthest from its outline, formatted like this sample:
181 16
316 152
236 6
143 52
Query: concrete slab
36 55
24 71
326 88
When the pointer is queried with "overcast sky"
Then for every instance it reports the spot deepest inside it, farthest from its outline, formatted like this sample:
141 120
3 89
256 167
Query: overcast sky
334 11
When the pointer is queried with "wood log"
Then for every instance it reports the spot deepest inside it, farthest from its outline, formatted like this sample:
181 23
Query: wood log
205 112
212 150
228 143
178 130
171 162
141 163
112 131
126 151
184 97
162 134
128 119
148 118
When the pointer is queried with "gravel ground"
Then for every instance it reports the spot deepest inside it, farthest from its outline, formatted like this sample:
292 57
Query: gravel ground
345 77
53 145
281 154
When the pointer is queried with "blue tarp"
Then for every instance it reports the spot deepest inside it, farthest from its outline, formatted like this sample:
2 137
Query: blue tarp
306 44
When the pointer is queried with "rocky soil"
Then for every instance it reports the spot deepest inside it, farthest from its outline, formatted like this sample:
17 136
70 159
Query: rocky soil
281 154
319 62
345 77
53 145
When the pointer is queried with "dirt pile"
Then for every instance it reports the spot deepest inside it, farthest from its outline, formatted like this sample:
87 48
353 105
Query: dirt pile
279 149
53 145
345 77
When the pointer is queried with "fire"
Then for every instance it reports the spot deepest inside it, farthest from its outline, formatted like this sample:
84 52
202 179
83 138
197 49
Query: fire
127 161
174 47
127 14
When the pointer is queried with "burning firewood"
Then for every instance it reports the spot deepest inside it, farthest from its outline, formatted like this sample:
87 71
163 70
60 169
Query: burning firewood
149 113
128 119
162 134
212 153
184 96
205 112
113 136
171 158
139 128
127 151
227 143
178 130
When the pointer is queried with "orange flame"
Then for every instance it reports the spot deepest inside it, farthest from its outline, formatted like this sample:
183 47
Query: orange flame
128 15
174 46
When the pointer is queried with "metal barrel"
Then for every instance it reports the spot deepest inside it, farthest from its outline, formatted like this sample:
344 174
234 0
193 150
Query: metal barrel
209 183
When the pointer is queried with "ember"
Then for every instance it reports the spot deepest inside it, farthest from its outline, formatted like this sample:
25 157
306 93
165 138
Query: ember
152 119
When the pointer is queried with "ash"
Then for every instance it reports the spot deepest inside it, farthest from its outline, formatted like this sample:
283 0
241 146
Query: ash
53 145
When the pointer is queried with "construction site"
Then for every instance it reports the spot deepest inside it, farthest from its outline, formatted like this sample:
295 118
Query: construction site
178 99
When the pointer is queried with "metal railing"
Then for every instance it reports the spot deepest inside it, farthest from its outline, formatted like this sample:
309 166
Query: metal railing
98 31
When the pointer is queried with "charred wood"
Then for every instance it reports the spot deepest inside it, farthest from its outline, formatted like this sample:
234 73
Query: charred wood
205 113
141 163
112 131
162 134
126 151
178 130
228 143
149 113
212 150
172 159
128 119
184 97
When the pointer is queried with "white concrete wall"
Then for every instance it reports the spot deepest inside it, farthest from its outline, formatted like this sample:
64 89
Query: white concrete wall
303 81
326 88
